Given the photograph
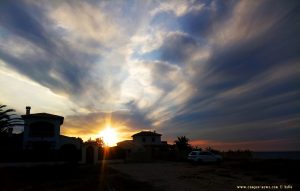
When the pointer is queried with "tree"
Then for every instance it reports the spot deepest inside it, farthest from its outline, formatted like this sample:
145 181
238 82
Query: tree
182 143
8 119
98 142
212 150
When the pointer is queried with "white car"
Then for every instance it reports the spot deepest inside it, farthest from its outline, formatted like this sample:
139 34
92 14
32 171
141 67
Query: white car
204 156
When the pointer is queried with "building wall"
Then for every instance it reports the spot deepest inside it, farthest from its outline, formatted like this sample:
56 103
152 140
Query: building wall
54 140
147 140
64 140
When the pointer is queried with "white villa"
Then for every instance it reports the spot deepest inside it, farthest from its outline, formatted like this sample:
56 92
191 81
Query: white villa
147 138
143 146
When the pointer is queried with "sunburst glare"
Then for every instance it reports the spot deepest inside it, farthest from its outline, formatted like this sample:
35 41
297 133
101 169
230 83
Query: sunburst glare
109 136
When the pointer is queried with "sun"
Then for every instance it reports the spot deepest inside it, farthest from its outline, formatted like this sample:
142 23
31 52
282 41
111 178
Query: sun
109 136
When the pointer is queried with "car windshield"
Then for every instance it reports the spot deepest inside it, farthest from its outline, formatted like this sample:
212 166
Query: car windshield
206 153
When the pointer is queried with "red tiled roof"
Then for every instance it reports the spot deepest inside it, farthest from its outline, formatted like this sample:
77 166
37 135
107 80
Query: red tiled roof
43 116
146 133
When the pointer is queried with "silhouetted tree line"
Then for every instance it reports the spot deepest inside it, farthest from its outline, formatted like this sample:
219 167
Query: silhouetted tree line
176 152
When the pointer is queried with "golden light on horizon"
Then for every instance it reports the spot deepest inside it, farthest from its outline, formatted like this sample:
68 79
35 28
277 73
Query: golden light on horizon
109 136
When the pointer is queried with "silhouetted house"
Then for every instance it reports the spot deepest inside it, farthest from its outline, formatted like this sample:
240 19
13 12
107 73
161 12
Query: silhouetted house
41 141
147 138
43 130
145 145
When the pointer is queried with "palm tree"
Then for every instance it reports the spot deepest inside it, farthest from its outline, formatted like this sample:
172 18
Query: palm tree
182 143
8 119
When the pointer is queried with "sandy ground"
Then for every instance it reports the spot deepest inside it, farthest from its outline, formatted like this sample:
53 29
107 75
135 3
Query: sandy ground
173 176
156 176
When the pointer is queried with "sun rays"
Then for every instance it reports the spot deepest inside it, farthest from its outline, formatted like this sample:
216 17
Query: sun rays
109 136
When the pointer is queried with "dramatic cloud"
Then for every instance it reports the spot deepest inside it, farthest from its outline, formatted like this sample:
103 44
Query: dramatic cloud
221 72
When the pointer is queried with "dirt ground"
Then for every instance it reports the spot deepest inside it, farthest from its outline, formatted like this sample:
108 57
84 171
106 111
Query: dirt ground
67 178
155 176
174 176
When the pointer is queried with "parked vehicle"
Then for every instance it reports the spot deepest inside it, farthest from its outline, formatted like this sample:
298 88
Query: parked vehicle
204 156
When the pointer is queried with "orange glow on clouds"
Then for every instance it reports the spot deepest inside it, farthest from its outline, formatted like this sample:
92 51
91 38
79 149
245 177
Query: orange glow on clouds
259 145
111 130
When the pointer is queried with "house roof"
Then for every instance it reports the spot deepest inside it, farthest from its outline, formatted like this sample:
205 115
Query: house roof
146 133
43 116
125 144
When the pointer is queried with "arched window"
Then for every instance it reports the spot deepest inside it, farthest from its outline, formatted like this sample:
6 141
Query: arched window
41 129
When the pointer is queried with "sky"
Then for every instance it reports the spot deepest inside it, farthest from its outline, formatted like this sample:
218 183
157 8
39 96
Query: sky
225 74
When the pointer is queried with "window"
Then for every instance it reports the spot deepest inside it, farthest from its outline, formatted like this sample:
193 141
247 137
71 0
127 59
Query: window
41 129
194 153
205 153
153 139
144 139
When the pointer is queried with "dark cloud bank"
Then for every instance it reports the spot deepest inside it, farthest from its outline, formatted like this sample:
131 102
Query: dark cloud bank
249 90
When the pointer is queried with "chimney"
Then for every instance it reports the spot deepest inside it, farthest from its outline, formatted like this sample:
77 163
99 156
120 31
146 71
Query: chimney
28 110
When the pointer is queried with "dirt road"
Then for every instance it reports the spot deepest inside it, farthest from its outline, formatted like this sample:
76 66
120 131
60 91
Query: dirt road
171 176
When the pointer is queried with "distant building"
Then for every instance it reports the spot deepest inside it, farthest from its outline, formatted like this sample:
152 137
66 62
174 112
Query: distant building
147 138
145 145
